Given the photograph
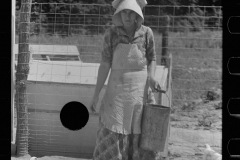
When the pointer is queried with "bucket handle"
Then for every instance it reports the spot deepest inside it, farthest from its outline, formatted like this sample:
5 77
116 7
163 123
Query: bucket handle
159 91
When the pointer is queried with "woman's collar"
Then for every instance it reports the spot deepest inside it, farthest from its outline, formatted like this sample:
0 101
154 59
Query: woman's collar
139 31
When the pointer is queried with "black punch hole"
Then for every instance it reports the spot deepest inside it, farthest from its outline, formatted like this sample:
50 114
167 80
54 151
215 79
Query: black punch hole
74 116
234 24
234 112
234 106
233 147
233 65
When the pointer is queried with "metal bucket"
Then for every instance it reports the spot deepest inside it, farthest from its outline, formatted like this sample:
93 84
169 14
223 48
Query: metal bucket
155 125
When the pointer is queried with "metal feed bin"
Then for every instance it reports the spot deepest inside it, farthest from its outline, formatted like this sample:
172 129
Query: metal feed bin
53 84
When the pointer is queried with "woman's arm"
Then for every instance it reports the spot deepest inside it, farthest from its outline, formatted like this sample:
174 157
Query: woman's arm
104 68
153 83
150 53
102 76
106 61
151 69
151 57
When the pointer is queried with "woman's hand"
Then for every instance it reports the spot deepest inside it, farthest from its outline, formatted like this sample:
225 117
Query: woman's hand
154 85
93 103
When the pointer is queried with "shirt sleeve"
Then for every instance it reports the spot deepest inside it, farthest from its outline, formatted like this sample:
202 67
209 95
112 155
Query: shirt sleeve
107 48
150 50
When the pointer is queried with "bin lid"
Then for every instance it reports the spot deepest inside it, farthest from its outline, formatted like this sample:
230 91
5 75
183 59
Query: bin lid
51 49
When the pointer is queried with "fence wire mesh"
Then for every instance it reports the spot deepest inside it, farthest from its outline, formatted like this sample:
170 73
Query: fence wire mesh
62 34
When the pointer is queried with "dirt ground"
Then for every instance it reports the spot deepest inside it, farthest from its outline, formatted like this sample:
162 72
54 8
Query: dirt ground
185 144
192 126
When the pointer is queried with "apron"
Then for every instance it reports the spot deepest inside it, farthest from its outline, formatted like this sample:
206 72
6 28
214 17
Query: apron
122 104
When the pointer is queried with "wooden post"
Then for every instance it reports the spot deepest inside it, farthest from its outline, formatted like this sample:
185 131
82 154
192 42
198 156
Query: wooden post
21 79
166 60
165 42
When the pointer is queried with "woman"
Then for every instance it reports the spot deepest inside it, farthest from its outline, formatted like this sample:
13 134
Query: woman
129 52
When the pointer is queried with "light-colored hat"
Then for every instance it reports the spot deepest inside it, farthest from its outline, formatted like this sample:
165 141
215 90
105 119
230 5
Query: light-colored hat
134 5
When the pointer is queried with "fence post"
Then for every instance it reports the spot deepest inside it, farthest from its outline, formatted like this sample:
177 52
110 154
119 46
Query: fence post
164 61
21 79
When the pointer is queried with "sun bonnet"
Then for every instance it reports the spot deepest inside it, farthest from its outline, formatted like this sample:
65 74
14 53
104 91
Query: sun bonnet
134 5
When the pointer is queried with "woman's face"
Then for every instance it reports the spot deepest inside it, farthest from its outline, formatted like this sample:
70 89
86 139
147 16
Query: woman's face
128 17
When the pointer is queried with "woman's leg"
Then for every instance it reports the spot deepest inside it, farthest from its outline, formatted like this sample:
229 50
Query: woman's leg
107 145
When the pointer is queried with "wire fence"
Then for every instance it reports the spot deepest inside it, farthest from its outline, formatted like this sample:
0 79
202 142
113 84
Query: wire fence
194 40
66 19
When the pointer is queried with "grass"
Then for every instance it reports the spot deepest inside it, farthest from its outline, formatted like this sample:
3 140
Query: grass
197 59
